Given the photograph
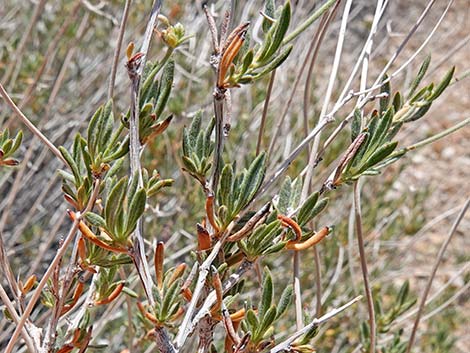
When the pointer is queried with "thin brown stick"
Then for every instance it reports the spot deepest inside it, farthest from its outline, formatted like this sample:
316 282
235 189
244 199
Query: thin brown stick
30 125
365 274
318 294
440 255
37 293
12 311
318 39
117 51
265 111
67 279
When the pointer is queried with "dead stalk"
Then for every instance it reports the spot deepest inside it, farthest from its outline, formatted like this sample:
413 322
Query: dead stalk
265 111
284 346
439 258
30 125
365 274
117 51
37 293
12 311
135 67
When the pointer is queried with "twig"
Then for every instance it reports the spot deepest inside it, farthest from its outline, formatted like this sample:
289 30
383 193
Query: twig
272 77
439 258
30 125
308 21
42 283
12 311
228 324
329 92
135 67
365 274
6 266
204 269
438 136
117 51
286 163
219 95
96 10
318 289
212 297
318 38
335 276
351 226
299 320
378 82
284 346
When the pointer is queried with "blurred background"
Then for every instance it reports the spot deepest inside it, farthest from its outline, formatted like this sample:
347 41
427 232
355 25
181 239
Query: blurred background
55 62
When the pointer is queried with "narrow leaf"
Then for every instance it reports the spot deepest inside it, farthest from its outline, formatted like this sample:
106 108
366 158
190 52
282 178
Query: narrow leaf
166 84
136 209
267 295
307 208
281 28
420 75
442 85
95 219
285 300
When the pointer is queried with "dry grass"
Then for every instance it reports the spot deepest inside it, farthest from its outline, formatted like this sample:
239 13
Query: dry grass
31 204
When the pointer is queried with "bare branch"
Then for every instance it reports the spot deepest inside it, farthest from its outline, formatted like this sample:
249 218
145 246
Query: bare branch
439 257
30 125
284 346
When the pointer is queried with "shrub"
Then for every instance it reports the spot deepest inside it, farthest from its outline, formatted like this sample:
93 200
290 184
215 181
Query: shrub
244 211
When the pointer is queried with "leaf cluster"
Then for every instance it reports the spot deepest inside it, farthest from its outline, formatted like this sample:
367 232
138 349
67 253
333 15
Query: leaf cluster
89 159
8 146
153 98
124 204
374 145
254 63
259 322
236 190
198 148
401 303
